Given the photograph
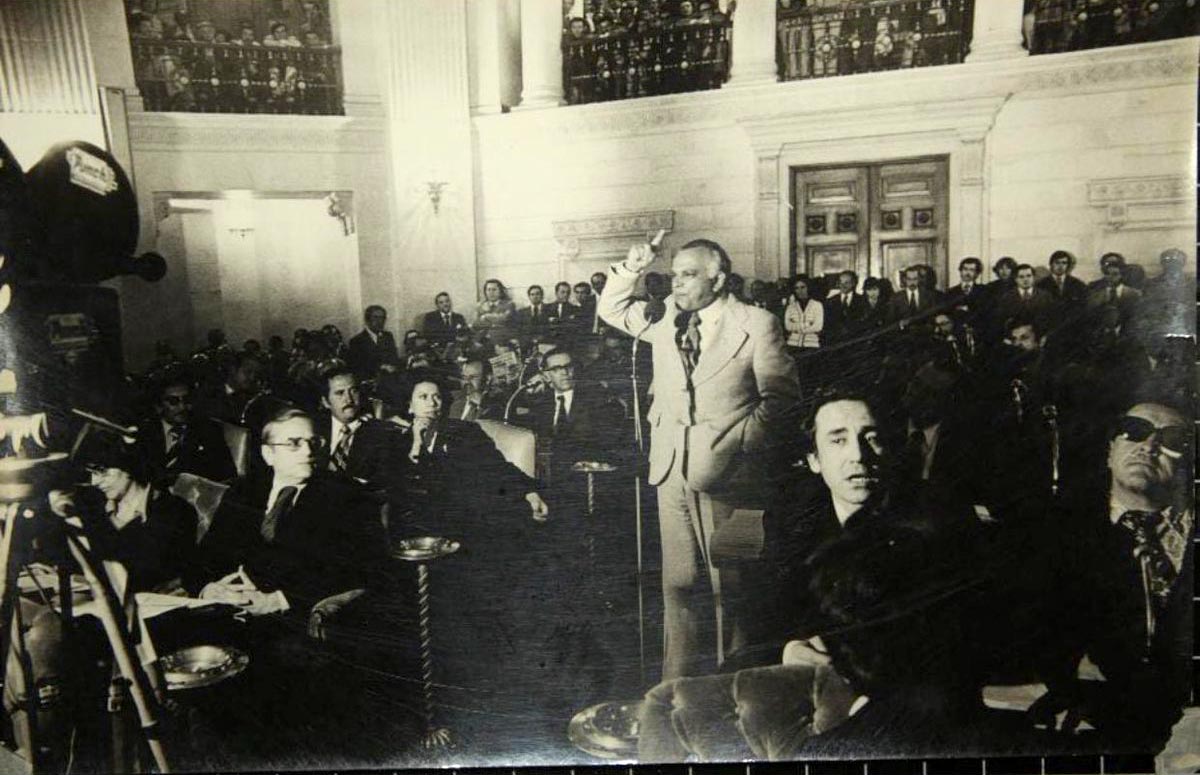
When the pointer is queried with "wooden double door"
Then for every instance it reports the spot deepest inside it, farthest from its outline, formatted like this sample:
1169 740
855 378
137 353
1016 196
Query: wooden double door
875 219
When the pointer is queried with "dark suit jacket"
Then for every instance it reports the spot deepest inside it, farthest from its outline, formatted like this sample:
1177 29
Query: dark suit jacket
529 326
372 449
161 549
1148 684
593 430
491 408
1039 306
969 308
1074 291
365 356
898 308
330 542
464 488
842 323
562 315
434 326
203 451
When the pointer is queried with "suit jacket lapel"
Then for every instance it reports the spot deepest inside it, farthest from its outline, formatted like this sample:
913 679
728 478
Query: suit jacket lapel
730 336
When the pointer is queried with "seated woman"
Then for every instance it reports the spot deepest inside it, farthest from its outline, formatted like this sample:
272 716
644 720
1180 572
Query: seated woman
457 483
496 314
147 529
898 679
494 603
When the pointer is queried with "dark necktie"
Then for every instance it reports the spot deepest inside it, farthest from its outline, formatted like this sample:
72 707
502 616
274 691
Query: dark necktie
536 312
1112 295
912 301
915 453
560 417
446 320
175 434
283 504
340 458
846 298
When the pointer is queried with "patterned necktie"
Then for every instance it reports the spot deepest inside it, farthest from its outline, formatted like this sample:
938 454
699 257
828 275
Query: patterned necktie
1147 547
340 459
175 434
283 504
692 339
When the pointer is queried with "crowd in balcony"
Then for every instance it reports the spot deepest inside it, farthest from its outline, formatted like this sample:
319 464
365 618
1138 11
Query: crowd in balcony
605 18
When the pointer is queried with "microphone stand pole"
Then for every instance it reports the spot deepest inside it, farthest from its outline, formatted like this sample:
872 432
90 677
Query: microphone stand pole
637 508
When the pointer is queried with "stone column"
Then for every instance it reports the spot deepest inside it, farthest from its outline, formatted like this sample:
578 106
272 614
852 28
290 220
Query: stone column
484 42
996 33
108 41
541 54
753 45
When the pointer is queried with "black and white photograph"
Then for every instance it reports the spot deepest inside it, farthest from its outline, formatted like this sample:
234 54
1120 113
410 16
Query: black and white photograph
584 384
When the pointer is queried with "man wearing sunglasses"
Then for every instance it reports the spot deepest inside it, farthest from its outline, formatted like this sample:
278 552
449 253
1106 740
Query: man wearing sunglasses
1128 572
178 440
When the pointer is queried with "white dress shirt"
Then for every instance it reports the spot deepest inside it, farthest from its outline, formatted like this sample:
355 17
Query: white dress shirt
568 398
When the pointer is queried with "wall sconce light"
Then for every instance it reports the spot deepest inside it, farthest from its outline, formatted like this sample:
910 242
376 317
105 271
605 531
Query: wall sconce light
337 209
434 189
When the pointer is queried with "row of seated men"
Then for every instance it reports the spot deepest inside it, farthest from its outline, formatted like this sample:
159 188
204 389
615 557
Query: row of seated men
299 539
884 605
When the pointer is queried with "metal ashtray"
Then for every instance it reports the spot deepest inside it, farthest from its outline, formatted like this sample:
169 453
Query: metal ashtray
593 467
424 548
198 666
608 730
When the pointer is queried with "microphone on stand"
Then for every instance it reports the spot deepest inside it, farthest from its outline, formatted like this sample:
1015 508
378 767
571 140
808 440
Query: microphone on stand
535 384
1050 413
1018 397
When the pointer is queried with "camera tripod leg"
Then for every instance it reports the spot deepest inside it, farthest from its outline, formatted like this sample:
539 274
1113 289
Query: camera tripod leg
139 683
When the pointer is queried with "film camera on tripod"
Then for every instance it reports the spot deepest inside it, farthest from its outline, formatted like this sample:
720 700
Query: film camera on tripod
66 225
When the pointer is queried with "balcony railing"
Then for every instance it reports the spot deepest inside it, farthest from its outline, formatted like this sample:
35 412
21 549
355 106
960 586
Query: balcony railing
871 35
179 75
1074 25
621 65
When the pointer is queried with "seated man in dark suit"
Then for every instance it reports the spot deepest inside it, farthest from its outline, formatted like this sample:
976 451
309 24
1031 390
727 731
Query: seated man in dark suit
295 550
178 440
586 301
373 349
533 322
1126 583
477 399
562 314
301 537
443 324
359 446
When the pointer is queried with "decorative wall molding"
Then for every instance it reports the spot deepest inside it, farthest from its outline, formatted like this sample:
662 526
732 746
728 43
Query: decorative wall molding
1141 203
238 133
1165 62
607 236
1172 188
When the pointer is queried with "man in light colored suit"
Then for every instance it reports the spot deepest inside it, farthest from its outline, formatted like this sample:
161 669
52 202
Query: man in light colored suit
723 387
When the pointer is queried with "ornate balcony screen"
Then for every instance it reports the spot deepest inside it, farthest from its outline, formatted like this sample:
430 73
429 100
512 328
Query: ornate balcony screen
817 41
181 75
621 65
1052 26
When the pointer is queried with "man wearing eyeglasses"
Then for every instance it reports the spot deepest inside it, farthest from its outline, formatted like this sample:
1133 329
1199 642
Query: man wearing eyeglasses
178 440
1129 578
282 545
